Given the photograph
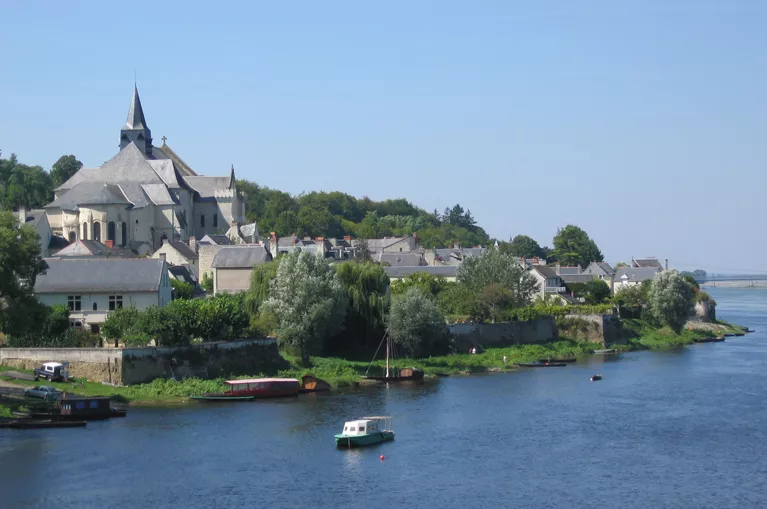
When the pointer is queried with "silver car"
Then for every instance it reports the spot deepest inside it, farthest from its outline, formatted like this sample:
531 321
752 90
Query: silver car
43 392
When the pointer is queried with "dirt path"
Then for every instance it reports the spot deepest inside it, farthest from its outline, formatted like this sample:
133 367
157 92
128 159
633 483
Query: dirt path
11 388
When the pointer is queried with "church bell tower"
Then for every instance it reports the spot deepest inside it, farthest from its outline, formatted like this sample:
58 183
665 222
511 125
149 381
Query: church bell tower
135 128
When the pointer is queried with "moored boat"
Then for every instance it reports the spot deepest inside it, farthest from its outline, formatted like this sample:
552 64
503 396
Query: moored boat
543 365
254 388
42 423
365 431
310 383
571 359
596 378
605 350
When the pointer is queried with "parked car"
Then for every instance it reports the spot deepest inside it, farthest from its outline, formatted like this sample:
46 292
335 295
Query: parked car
53 371
43 392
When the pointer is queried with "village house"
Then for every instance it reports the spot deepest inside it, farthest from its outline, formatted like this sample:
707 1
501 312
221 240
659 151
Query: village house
92 287
572 275
448 272
233 265
392 245
93 248
400 259
601 270
549 282
632 276
452 256
178 253
142 195
37 219
647 262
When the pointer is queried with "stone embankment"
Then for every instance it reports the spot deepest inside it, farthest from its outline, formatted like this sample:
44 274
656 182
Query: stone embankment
128 366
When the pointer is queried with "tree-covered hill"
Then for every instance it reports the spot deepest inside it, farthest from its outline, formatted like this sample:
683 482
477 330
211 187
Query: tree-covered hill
338 214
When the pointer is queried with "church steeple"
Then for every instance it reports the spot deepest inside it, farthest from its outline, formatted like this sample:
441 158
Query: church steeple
135 128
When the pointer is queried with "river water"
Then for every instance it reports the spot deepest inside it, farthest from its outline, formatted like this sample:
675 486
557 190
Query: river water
677 429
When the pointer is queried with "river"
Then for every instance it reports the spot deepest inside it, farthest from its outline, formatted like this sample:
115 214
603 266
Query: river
678 429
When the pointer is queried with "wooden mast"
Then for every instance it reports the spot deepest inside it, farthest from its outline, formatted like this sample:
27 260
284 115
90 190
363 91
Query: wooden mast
388 339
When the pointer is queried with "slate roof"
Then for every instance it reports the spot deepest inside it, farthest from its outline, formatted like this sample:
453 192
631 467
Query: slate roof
636 274
184 169
186 251
648 262
294 241
207 186
166 171
376 245
401 259
182 273
460 253
603 266
93 248
82 275
567 270
34 216
240 257
577 278
216 240
158 194
545 271
57 242
136 118
91 193
434 270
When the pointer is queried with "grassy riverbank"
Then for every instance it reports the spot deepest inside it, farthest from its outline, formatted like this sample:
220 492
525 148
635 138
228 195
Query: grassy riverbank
341 373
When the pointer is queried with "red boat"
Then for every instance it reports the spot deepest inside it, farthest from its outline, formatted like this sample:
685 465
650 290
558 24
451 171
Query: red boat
254 388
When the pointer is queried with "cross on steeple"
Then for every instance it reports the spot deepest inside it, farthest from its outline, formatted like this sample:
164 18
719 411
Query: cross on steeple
163 139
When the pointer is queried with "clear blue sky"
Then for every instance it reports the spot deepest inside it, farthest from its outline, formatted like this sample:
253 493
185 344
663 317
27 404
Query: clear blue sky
643 122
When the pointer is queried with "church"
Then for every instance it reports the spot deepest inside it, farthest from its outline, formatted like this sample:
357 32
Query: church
143 196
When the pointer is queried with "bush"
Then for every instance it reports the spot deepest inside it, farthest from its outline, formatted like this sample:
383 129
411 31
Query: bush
182 290
670 299
416 324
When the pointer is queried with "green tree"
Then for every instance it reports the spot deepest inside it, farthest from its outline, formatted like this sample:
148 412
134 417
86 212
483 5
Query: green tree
309 302
429 284
573 246
21 263
523 246
206 283
63 169
367 291
416 324
181 289
497 268
361 252
597 292
670 299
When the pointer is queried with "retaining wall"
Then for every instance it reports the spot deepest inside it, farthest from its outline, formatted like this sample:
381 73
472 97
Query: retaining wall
127 366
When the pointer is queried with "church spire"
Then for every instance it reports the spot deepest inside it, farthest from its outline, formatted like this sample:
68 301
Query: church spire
135 128
135 113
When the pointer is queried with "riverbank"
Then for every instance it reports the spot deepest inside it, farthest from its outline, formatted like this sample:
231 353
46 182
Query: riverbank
343 373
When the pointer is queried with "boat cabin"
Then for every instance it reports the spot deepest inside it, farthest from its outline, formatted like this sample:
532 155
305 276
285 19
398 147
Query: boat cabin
262 387
367 426
310 383
86 407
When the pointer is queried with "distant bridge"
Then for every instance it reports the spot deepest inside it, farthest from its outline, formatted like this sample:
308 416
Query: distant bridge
714 278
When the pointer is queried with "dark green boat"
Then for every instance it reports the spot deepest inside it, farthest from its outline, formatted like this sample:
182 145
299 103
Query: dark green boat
365 431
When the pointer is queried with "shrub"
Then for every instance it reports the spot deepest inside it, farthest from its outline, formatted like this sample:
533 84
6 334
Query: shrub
416 324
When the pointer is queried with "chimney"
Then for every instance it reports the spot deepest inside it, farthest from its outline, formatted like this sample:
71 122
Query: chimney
110 243
22 215
348 238
307 238
666 263
162 257
193 243
320 239
535 260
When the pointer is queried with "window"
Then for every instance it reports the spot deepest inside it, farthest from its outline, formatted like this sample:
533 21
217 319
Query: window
352 428
115 302
96 230
124 232
362 429
111 231
80 405
95 306
215 220
74 303
72 237
202 221
85 231
93 404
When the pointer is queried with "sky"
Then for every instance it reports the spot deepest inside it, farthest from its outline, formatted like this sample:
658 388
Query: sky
643 122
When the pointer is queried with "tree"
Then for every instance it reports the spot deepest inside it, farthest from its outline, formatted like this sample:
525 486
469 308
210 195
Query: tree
367 290
597 292
21 263
63 169
260 280
206 283
430 285
181 289
309 302
573 246
670 299
416 324
497 268
361 252
523 246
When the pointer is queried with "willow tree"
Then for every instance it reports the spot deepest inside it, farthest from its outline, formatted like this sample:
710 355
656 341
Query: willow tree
367 290
309 302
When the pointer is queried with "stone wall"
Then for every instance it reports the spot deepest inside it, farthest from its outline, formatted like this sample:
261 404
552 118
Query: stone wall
129 366
498 335
604 329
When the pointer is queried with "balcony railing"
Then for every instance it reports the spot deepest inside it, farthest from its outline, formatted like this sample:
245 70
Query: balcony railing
555 289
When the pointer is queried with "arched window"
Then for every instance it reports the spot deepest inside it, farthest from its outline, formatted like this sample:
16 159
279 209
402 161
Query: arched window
124 234
85 231
96 230
72 237
111 235
95 306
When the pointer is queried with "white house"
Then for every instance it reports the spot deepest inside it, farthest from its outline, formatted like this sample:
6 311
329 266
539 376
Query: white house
92 287
549 282
179 254
232 266
632 276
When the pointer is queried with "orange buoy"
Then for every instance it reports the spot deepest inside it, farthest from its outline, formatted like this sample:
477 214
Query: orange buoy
382 457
